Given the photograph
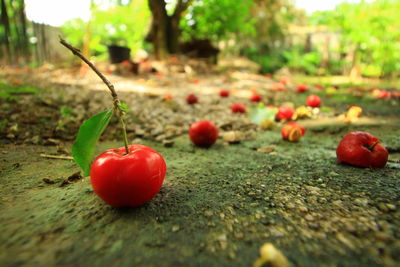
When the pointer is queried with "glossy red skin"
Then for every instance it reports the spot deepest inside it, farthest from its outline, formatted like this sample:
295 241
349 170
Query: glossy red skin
313 101
255 98
301 88
353 150
287 127
203 133
128 180
238 108
285 112
192 99
224 93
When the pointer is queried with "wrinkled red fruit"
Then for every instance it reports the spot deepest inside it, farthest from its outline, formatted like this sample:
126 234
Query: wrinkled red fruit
285 112
313 101
224 93
362 149
192 99
293 131
238 108
255 98
301 88
128 180
203 133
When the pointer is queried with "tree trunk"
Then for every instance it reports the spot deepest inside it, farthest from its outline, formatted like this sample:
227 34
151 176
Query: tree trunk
164 32
158 34
6 24
24 36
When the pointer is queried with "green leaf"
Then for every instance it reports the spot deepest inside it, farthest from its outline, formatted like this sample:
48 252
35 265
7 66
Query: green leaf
88 135
260 113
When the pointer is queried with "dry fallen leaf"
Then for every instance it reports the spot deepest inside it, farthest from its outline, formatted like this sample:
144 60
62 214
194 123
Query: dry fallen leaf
267 149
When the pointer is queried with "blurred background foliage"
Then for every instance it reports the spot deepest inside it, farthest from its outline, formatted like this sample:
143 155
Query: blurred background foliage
353 39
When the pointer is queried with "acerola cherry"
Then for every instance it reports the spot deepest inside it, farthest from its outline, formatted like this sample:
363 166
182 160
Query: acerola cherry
285 112
313 101
128 180
238 108
203 133
192 99
255 98
363 150
293 131
168 97
380 94
224 93
278 87
301 88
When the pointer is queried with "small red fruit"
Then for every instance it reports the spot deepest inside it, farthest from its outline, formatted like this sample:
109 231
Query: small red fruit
284 80
313 101
224 93
192 99
168 97
380 94
285 112
278 87
301 88
238 108
363 150
293 131
319 86
255 98
203 133
128 180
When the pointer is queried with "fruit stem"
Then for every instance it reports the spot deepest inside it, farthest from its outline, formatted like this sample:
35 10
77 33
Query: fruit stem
373 146
117 104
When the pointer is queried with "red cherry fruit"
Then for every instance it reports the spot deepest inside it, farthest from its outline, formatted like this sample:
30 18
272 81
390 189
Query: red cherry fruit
362 149
278 87
380 94
293 131
313 101
168 97
238 108
224 93
203 133
284 80
192 99
128 180
301 88
255 98
285 112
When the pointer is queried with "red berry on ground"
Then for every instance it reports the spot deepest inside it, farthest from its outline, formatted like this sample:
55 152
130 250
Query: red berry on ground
278 87
301 88
313 101
192 99
255 98
203 133
128 180
224 93
363 150
285 112
238 108
293 131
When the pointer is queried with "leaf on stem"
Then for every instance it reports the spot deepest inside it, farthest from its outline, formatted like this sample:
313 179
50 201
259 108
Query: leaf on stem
88 135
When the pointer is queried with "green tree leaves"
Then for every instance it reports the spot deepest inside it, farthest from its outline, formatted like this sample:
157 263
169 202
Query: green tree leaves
88 135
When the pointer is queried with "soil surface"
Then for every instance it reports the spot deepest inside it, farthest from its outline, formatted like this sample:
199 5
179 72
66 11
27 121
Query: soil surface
217 206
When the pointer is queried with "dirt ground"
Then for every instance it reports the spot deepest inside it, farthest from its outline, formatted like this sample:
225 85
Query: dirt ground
217 206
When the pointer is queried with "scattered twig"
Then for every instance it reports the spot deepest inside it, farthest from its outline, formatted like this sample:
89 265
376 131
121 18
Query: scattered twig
56 156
